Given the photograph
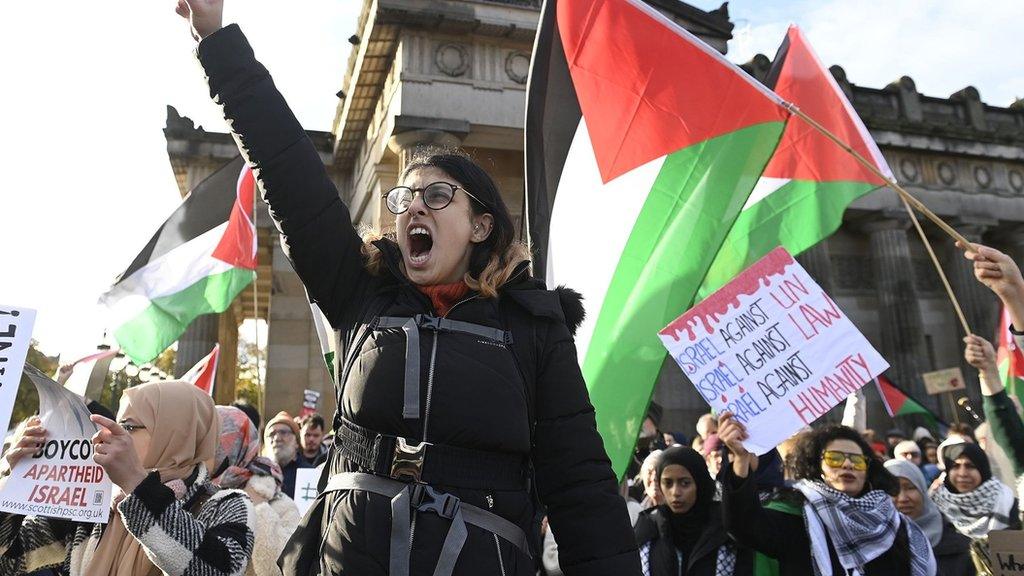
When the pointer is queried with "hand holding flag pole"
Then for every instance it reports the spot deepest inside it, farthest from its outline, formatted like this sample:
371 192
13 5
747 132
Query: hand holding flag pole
908 200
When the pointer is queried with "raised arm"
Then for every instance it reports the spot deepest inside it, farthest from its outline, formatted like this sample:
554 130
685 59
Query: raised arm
315 225
772 533
1007 427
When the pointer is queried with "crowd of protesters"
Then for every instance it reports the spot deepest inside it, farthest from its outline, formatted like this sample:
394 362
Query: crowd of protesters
207 490
196 491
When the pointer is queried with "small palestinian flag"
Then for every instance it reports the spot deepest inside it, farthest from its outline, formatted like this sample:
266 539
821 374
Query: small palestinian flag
1009 358
325 334
204 373
802 194
642 145
88 374
899 403
196 263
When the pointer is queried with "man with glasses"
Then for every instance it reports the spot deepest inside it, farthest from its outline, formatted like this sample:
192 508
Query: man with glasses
281 442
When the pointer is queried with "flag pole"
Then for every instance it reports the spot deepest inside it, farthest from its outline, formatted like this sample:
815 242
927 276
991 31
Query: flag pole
260 396
938 268
907 196
908 201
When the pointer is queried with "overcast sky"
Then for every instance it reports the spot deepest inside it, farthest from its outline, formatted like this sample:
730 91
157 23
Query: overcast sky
86 174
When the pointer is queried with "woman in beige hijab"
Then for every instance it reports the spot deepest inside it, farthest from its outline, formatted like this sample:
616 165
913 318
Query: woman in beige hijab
167 517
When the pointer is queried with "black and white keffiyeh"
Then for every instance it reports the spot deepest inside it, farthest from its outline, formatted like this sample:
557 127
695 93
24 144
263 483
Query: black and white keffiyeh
861 529
976 513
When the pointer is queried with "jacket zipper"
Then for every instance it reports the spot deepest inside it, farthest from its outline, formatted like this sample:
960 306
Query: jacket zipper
497 543
426 415
430 372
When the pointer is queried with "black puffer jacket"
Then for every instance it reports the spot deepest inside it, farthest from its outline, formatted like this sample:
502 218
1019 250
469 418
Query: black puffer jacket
654 535
478 398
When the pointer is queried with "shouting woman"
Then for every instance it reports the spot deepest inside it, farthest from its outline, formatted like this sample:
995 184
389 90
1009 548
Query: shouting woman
459 394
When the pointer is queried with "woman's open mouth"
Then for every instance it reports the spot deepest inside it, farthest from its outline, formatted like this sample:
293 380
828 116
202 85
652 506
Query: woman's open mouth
420 243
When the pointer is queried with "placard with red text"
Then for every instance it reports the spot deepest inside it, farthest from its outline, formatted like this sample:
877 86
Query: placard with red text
61 479
772 348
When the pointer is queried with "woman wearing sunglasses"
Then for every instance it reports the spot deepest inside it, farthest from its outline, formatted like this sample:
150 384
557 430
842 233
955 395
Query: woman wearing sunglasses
460 399
849 523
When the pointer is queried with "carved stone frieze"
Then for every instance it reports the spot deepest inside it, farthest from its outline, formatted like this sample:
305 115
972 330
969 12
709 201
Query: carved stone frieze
517 66
452 59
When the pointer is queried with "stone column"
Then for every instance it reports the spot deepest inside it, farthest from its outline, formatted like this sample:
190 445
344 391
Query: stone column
405 143
903 341
818 263
196 342
979 304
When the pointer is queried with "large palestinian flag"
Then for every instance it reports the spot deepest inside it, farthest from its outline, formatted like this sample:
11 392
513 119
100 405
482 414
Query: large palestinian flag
642 145
801 197
196 263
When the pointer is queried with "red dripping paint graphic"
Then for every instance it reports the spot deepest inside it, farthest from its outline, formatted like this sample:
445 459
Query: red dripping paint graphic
724 399
741 389
717 305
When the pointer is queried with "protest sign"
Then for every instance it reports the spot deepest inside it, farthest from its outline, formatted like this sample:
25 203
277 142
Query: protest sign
1006 551
310 399
15 335
61 480
305 487
772 348
941 381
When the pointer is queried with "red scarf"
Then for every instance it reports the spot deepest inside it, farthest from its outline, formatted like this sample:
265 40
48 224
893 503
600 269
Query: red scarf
444 296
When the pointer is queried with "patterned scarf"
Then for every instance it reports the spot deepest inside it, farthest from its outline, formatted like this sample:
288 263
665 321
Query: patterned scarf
237 459
975 513
861 529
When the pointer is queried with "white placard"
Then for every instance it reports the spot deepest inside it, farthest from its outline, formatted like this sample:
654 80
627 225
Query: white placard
15 335
772 348
61 480
305 487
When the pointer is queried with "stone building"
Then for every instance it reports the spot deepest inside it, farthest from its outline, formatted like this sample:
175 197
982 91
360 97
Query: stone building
454 72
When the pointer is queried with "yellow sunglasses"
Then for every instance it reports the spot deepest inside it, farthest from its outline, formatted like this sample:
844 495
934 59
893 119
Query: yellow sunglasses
836 459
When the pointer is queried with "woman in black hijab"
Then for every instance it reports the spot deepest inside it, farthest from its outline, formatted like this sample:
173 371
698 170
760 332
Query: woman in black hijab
974 500
684 536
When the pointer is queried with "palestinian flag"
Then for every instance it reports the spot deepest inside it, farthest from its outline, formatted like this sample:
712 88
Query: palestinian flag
899 403
642 145
204 373
1009 358
88 374
325 334
801 197
196 263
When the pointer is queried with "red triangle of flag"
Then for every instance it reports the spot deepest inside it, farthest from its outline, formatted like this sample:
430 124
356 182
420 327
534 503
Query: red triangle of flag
648 88
238 244
204 373
804 153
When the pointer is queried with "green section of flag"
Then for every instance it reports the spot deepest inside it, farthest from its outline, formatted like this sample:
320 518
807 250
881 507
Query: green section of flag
145 336
797 216
695 199
1013 383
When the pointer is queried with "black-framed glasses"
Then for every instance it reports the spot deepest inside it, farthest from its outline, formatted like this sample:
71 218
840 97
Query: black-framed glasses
436 196
129 427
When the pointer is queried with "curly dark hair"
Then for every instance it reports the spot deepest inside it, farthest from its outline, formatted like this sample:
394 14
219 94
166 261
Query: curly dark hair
806 458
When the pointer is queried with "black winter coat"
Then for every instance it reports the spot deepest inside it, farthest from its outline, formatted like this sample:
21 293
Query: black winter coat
478 398
783 536
953 553
653 529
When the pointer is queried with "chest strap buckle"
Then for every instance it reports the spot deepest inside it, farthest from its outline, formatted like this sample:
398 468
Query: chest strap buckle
425 498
